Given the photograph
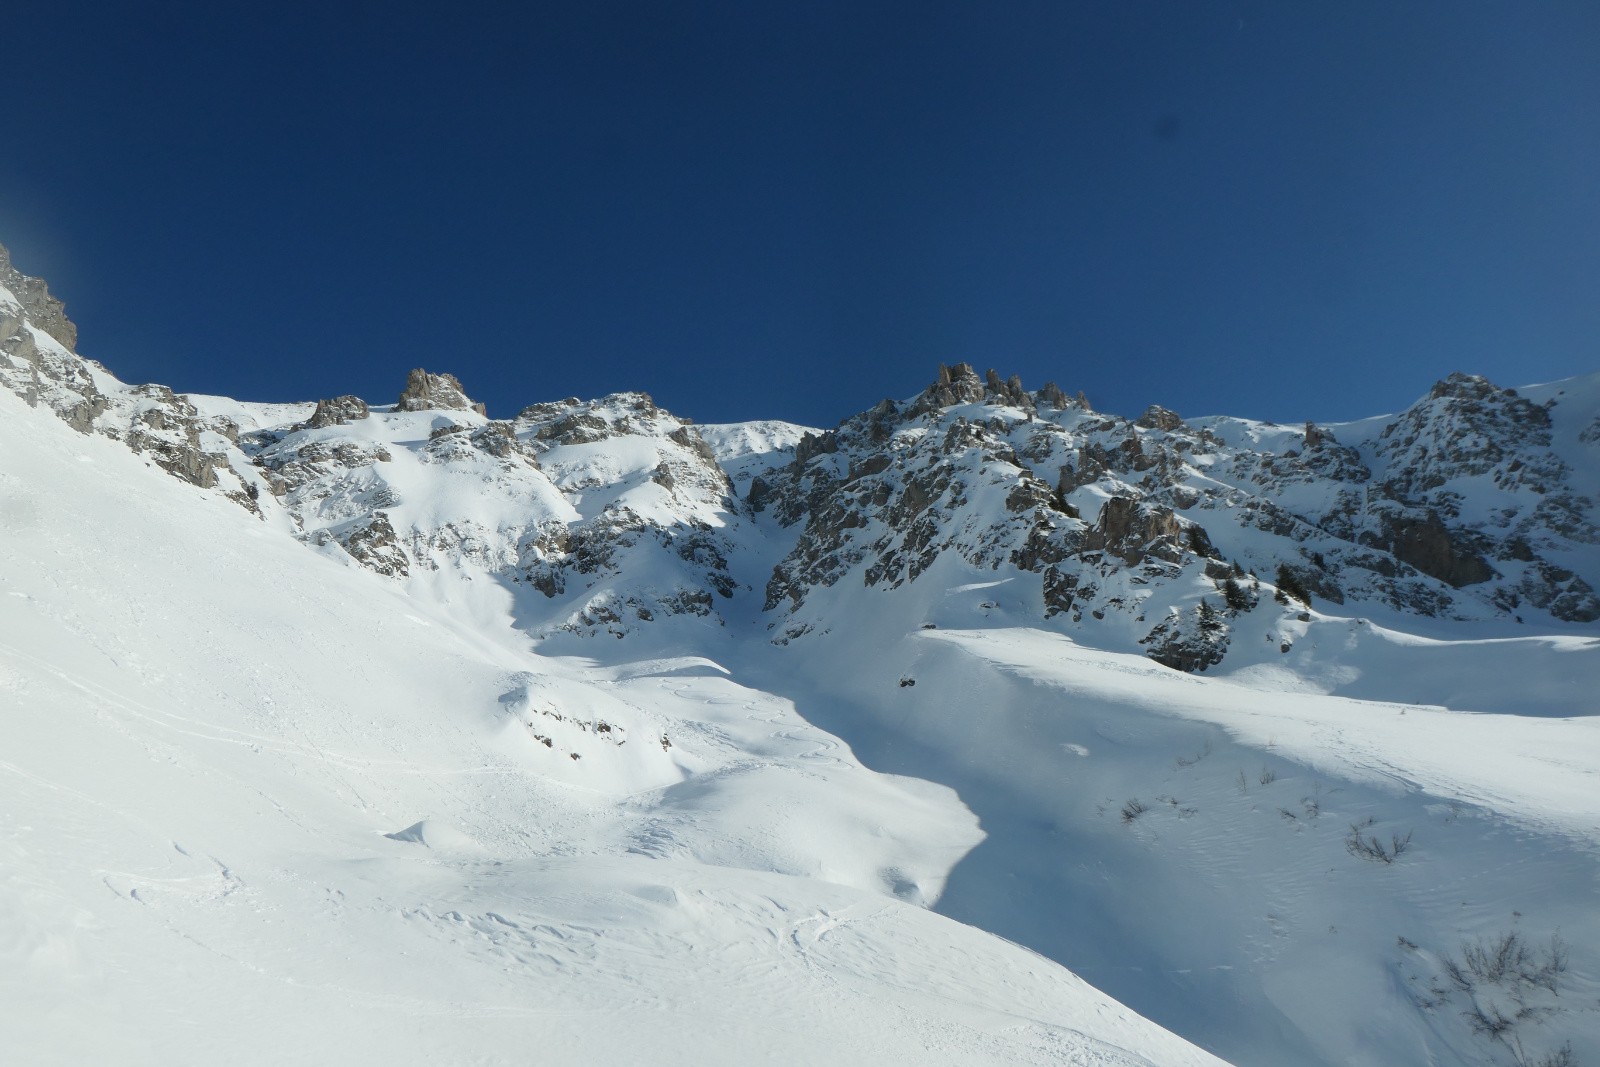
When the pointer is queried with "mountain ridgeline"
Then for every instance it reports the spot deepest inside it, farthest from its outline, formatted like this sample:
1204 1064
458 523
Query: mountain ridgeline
1157 534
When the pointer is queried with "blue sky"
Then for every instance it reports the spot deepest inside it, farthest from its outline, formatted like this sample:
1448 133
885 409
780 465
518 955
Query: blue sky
757 210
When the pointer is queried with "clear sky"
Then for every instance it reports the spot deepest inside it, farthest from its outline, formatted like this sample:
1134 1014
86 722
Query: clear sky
753 209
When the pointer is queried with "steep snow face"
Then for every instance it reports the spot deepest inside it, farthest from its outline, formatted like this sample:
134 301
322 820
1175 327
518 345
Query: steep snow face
747 450
1280 876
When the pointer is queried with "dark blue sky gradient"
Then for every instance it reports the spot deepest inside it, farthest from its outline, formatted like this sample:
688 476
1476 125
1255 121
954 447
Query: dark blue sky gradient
757 210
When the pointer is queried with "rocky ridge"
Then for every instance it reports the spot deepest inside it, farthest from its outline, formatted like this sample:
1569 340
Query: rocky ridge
1456 508
37 362
1156 533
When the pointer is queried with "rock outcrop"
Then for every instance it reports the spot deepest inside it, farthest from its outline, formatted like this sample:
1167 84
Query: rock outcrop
38 364
972 469
428 392
337 412
1474 502
43 311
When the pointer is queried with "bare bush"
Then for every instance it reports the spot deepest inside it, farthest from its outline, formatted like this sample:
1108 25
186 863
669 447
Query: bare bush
1313 803
1561 1057
1368 847
1267 776
1489 1021
1133 809
1508 959
1506 986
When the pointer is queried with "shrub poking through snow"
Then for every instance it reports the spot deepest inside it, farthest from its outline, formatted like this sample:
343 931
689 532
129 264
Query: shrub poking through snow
1368 847
1501 987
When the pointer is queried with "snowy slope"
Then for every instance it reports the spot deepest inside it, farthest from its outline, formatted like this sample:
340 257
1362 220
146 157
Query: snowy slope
447 738
1185 843
312 821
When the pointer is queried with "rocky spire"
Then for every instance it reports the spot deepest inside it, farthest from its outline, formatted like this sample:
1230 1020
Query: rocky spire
1156 417
426 392
1050 393
1009 391
956 384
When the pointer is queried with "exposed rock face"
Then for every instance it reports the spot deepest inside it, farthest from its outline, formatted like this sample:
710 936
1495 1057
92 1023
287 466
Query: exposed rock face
36 360
41 309
427 392
957 384
496 439
1467 426
337 412
1426 544
888 494
1051 395
1190 641
556 515
373 544
37 363
1133 532
586 562
291 464
1156 417
168 428
895 489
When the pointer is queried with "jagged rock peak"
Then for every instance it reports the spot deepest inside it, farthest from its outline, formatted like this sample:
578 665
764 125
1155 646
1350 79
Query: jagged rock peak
337 412
957 383
43 310
1052 394
1009 391
1466 387
426 392
1156 417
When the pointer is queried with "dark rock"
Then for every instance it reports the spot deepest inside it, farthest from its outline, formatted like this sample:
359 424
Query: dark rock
1050 394
1156 417
337 412
956 384
373 544
1428 545
1189 642
1133 531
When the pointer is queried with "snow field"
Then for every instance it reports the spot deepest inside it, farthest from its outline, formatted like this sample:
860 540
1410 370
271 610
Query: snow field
262 807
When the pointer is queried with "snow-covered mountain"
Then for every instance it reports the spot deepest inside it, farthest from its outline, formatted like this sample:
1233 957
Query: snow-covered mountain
385 731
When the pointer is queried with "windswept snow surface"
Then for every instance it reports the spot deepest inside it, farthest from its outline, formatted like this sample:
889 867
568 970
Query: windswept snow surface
748 450
1185 842
262 807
